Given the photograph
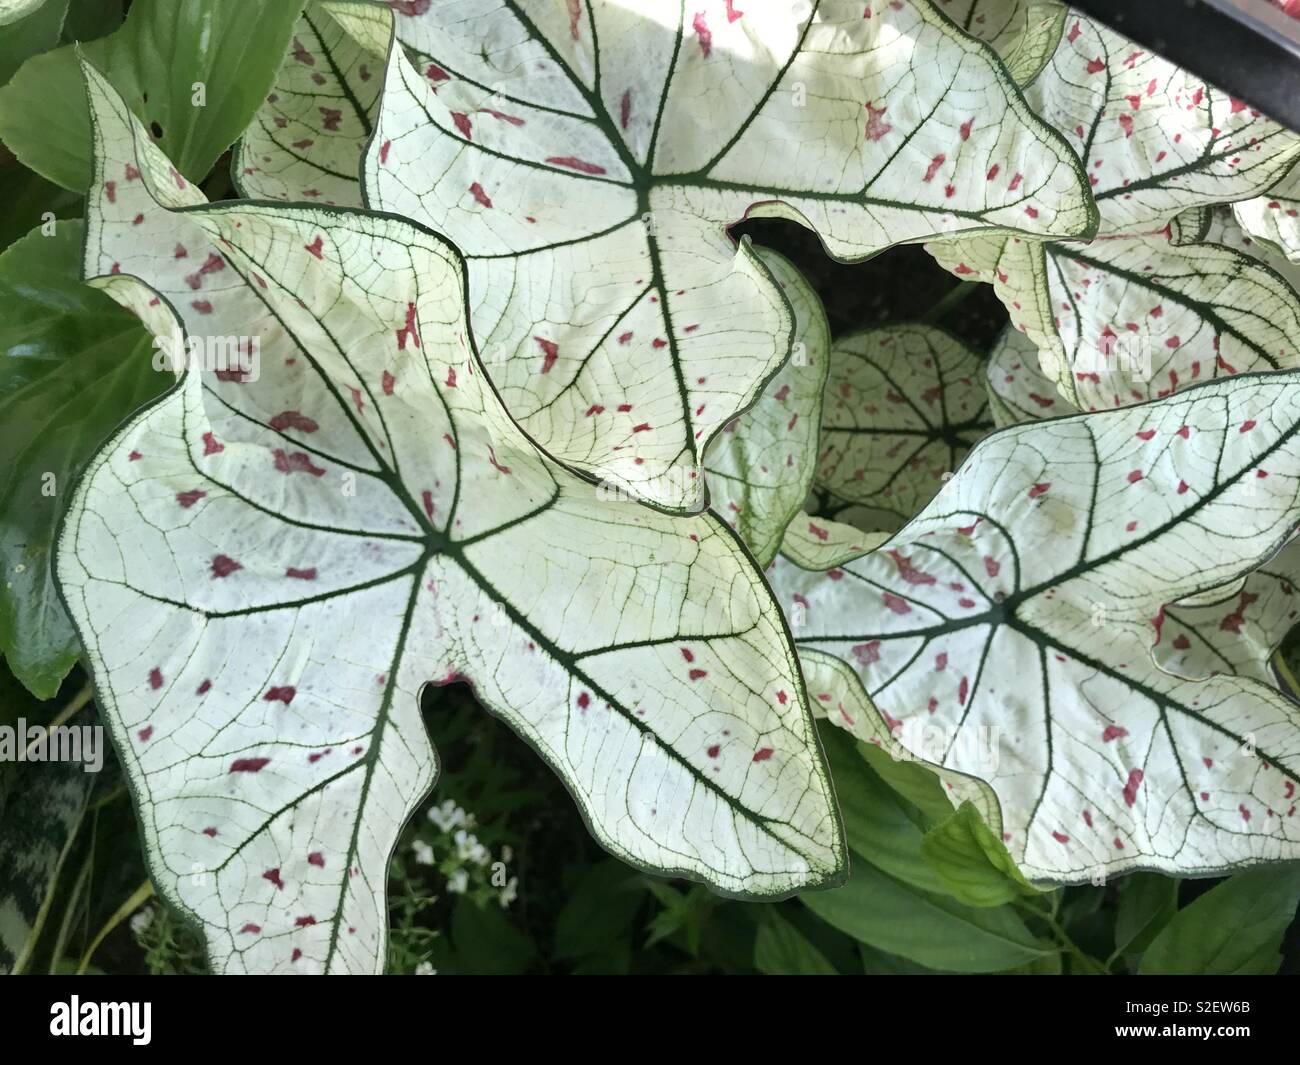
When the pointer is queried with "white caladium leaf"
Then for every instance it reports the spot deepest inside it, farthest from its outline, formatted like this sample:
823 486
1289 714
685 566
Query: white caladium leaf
1025 33
1237 629
1129 319
1221 227
260 610
1154 141
307 140
836 694
1274 218
760 468
625 333
1019 391
1154 138
903 406
1051 556
819 543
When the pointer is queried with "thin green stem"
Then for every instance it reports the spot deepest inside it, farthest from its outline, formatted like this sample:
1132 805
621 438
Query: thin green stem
951 300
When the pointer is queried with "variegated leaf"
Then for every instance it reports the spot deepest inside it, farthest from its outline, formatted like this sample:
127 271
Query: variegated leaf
836 694
261 601
760 468
1026 600
1274 218
307 140
1019 391
1153 138
565 150
1237 629
903 406
1134 318
1025 33
818 543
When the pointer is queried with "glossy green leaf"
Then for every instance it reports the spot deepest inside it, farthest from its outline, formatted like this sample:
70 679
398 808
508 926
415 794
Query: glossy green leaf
1234 929
937 932
1147 902
73 365
35 32
165 53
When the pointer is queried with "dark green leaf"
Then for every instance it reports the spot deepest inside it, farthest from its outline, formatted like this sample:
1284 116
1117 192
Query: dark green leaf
487 943
29 36
72 366
1234 929
937 932
158 57
601 908
1147 902
88 19
877 822
27 197
782 950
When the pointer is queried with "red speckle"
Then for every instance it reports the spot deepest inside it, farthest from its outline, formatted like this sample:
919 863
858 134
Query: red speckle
1060 837
317 247
188 498
897 604
877 127
963 690
550 352
409 330
1113 732
933 168
964 131
1134 476
584 700
292 419
697 674
715 750
304 922
301 574
463 124
1130 789
145 734
248 765
224 566
1039 489
281 695
482 197
387 382
250 929
298 462
1096 66
572 163
701 27
384 150
1247 426
762 754
317 859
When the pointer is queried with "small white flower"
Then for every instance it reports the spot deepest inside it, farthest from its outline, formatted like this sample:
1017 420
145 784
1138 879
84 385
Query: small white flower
425 968
509 893
423 852
507 853
142 920
448 816
469 849
458 882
